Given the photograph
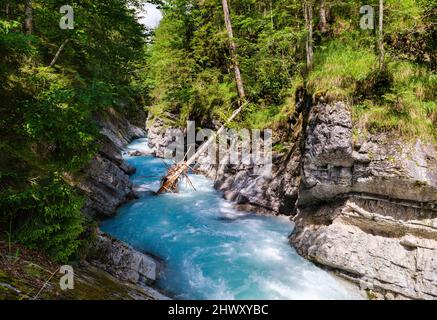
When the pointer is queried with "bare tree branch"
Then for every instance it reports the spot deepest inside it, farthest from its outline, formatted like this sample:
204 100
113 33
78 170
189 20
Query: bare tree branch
55 58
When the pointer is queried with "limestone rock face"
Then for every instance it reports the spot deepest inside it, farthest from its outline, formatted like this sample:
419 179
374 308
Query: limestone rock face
241 183
363 205
118 130
367 207
105 182
327 155
250 190
106 186
374 244
333 165
122 261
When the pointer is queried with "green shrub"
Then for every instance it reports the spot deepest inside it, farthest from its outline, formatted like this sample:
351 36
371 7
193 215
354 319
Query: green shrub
46 216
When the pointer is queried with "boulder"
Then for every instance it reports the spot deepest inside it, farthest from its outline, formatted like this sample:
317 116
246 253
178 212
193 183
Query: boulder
105 181
122 261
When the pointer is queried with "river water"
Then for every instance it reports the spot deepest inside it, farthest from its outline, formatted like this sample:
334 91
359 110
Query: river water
212 251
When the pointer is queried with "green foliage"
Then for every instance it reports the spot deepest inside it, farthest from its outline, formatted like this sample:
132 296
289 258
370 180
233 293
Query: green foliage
190 65
48 117
191 72
58 119
15 45
47 123
46 216
210 98
408 104
339 67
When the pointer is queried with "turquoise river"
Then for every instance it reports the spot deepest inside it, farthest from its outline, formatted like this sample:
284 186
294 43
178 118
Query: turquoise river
212 251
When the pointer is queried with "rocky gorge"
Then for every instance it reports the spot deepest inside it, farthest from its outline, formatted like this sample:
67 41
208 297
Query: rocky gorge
364 205
106 185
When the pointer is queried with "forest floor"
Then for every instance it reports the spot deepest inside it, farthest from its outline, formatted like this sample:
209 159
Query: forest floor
27 274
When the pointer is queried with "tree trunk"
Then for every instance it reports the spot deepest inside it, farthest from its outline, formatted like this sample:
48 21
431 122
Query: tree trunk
7 10
323 26
170 181
308 13
28 20
58 53
381 34
174 173
233 49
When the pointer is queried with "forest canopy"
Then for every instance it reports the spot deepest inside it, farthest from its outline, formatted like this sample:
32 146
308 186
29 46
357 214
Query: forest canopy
191 69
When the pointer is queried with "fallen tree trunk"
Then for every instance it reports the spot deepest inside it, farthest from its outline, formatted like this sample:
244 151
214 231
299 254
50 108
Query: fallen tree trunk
170 182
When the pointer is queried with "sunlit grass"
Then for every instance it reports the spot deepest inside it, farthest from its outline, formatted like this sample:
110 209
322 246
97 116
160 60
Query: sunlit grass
338 68
405 102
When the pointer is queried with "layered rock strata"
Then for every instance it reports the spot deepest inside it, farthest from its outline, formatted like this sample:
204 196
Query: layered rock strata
364 205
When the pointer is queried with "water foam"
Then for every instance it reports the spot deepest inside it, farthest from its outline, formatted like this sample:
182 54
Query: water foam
213 251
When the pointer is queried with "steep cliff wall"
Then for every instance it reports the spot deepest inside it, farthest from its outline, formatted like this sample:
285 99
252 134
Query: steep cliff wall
105 181
364 205
367 206
106 185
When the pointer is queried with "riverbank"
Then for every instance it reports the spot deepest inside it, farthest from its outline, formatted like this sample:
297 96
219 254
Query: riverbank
365 206
27 275
106 268
106 184
211 250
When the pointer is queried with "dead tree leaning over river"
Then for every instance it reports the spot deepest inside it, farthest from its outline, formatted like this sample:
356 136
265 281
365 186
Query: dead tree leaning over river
170 182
